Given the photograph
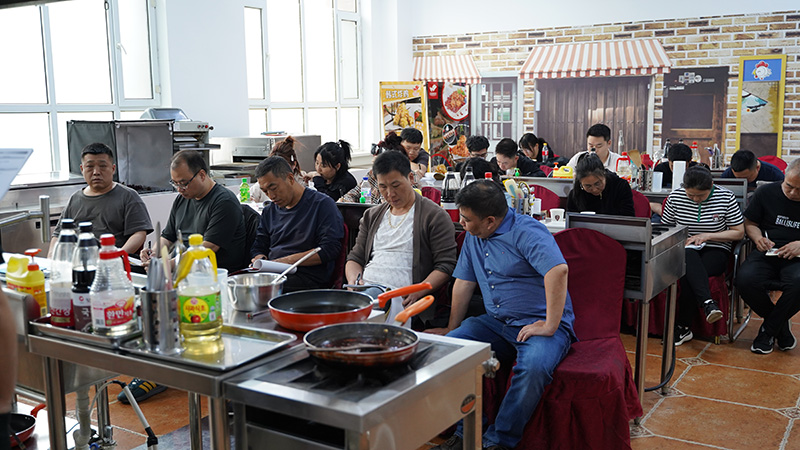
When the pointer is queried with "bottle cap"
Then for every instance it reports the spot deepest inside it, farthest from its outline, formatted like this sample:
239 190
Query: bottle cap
196 239
67 224
85 227
488 175
107 239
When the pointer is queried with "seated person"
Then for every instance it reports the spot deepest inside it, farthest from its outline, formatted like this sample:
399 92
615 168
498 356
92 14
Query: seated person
598 189
331 163
482 167
390 142
598 140
478 147
411 139
509 158
406 240
714 220
523 277
533 147
110 206
284 149
744 164
772 222
677 152
296 221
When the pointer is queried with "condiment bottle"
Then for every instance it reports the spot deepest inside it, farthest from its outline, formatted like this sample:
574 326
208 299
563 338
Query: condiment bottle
112 291
61 275
28 278
199 304
84 267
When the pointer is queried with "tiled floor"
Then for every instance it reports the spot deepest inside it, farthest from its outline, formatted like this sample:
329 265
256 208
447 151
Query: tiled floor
722 396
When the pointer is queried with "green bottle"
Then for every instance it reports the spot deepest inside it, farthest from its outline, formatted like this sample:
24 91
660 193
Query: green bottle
244 191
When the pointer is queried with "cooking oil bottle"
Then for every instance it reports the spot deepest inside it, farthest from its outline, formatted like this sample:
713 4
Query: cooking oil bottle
199 304
111 294
24 276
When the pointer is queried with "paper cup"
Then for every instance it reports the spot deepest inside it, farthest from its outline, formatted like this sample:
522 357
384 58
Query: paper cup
557 214
658 181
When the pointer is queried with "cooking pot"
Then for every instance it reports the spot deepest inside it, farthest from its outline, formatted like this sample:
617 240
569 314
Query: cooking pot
22 425
252 291
306 310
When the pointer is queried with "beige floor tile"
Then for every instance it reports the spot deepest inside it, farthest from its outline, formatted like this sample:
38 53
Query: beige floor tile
793 443
662 443
653 368
737 385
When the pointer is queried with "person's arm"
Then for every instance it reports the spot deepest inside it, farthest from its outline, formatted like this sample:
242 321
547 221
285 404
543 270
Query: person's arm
436 278
656 208
262 242
733 233
555 288
134 242
572 203
52 247
146 254
438 235
754 233
315 260
462 293
352 270
8 348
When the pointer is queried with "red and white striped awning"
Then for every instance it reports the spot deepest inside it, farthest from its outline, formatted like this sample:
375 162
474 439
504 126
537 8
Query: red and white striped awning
596 59
453 69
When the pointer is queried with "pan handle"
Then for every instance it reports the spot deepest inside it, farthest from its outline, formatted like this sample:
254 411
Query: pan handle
38 408
416 308
386 296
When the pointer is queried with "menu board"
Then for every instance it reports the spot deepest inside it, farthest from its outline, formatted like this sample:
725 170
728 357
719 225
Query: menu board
403 104
448 111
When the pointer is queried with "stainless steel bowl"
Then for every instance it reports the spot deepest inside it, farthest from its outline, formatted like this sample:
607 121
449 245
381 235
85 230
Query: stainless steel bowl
252 291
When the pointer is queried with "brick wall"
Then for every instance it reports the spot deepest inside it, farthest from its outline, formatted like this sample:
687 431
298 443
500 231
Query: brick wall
691 42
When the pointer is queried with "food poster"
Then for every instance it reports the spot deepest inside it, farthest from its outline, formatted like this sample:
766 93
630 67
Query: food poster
403 104
761 93
448 113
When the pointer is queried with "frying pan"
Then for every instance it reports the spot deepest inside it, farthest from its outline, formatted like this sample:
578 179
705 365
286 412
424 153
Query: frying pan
306 310
22 425
393 344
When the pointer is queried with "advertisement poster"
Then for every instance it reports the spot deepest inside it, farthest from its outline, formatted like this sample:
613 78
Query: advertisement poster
760 118
403 104
448 114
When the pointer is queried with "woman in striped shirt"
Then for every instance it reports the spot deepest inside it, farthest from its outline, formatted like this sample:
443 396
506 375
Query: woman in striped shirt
714 221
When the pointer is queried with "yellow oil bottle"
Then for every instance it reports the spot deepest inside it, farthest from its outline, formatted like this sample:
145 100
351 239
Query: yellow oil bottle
24 275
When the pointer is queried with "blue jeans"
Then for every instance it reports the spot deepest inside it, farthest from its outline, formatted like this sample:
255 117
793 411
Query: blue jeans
536 360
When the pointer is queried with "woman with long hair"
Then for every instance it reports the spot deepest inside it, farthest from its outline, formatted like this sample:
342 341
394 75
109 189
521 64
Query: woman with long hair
331 161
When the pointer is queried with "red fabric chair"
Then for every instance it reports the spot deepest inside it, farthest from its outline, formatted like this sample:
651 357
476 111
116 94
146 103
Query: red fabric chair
775 161
337 279
546 169
592 397
641 205
432 194
549 198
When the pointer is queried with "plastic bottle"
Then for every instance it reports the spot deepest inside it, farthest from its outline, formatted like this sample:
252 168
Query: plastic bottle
545 152
449 191
469 177
620 143
199 304
488 176
244 191
61 276
366 191
516 171
695 153
623 168
717 157
27 278
84 267
112 291
665 154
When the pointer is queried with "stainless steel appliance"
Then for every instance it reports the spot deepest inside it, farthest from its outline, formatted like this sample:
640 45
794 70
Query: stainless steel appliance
240 155
292 403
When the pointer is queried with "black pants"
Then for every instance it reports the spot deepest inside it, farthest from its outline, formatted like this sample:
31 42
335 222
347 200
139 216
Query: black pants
760 274
5 430
700 264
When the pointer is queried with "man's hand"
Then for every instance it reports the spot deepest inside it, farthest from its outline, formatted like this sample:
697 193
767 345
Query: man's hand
538 328
790 250
412 298
439 331
145 255
257 258
764 244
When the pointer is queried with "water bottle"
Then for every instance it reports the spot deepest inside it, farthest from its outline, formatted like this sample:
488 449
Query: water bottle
112 292
623 168
84 267
469 177
545 152
366 191
695 152
244 191
61 276
199 304
717 157
620 143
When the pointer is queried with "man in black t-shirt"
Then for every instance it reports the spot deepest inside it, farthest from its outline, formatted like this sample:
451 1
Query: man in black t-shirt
509 158
772 222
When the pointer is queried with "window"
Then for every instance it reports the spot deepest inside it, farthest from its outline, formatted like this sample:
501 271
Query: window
304 69
76 60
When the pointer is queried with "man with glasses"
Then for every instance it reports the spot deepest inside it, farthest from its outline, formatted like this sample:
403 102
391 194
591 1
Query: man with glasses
110 206
478 147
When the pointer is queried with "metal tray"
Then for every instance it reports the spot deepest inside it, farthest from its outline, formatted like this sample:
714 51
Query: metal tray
42 327
242 344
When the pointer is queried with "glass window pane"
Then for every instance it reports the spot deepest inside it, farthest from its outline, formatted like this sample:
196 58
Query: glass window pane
22 77
258 121
322 121
80 51
347 5
130 115
134 34
320 51
28 131
287 120
349 49
285 62
351 127
254 52
63 118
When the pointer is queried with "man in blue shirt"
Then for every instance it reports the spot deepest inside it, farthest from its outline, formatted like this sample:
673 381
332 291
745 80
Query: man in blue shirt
744 164
296 221
523 278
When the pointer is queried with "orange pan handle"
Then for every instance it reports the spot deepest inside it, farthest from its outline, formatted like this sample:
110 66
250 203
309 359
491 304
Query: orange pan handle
388 295
416 308
38 408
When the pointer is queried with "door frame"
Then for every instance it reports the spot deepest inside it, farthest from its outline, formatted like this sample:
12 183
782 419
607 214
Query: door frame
517 102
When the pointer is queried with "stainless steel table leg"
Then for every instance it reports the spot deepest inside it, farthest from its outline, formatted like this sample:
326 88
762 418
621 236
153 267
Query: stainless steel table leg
195 429
473 438
643 323
669 336
103 416
56 409
218 424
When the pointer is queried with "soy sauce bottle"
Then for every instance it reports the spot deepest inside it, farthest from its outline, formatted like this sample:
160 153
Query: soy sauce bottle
84 267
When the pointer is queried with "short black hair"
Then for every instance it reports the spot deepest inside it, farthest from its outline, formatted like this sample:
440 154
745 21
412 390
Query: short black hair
477 143
276 165
743 160
392 141
679 152
698 177
506 147
485 198
333 154
411 135
391 160
480 167
192 158
97 148
599 130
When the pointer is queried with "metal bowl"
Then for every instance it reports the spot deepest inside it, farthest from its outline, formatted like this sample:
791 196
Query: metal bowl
253 291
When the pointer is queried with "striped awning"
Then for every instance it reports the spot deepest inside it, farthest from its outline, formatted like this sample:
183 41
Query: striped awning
596 59
453 69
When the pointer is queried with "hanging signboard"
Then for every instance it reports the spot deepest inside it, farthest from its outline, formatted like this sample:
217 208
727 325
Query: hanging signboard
759 122
448 111
403 104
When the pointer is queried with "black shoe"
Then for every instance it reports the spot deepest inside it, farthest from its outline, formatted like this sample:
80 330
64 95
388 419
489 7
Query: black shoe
713 313
786 340
682 334
141 390
763 343
454 443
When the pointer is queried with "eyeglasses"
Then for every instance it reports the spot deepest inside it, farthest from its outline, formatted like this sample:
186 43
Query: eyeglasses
596 185
181 186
